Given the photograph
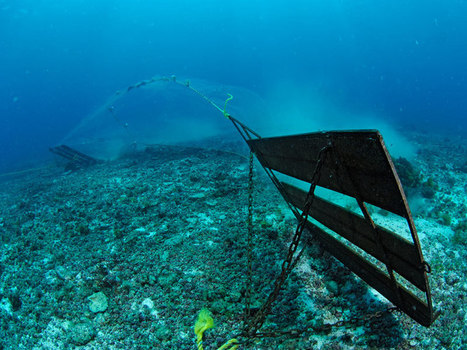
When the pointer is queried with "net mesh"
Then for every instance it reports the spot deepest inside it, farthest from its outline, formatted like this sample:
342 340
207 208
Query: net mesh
163 110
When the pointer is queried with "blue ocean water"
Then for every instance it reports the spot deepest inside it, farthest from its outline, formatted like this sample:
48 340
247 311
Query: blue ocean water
59 60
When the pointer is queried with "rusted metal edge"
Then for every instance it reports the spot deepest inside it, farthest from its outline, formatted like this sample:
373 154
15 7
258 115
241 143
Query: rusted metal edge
410 222
246 133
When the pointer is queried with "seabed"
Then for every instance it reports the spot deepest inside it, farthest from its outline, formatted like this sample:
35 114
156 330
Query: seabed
124 254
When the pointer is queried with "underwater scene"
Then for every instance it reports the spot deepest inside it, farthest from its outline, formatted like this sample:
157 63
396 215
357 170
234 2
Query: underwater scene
233 175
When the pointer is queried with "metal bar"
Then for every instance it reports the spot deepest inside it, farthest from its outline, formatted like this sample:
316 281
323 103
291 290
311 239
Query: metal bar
246 130
412 228
416 308
380 250
355 229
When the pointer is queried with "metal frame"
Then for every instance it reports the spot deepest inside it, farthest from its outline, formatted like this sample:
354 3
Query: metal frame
358 165
74 157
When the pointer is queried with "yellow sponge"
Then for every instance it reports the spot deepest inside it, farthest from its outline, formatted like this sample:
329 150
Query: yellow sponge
204 322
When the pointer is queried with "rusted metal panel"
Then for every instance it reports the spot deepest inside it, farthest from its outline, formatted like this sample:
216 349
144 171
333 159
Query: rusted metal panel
402 298
403 255
362 164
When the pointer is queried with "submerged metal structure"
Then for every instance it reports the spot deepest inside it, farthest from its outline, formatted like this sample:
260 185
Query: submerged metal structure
356 164
353 163
75 158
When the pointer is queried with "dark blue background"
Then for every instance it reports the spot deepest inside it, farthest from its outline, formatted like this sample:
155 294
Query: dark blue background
59 60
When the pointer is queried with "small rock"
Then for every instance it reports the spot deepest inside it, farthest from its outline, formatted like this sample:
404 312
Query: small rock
149 306
426 342
63 273
82 333
100 319
163 333
452 278
15 301
333 287
98 302
6 306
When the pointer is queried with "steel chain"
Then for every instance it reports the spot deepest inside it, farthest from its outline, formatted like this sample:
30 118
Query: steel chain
251 328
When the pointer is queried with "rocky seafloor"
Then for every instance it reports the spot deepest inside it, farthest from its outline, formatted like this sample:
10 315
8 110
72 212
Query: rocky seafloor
124 254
